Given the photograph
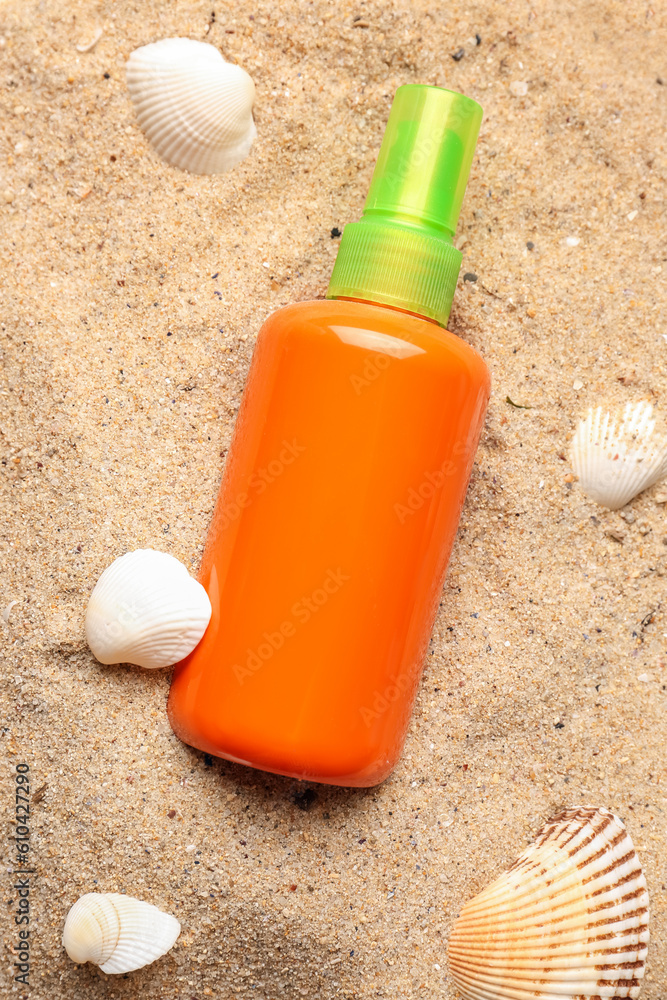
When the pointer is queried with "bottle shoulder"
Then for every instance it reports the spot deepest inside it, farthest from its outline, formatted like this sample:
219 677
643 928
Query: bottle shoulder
376 328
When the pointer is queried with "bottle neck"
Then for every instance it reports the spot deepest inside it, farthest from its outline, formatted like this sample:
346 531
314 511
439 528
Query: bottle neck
395 265
387 305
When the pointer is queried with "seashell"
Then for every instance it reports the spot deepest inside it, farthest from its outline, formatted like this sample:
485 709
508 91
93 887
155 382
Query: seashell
195 108
89 46
617 456
117 932
568 920
146 609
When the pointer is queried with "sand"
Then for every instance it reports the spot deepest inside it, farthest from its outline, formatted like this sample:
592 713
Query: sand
124 360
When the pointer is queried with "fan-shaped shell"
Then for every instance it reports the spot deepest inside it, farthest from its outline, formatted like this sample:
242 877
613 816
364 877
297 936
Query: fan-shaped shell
146 609
117 932
195 108
568 920
617 455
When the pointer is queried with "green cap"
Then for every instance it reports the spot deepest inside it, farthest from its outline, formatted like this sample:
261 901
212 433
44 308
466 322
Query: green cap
401 253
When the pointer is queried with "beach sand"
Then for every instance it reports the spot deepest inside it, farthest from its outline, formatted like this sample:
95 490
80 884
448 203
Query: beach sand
132 294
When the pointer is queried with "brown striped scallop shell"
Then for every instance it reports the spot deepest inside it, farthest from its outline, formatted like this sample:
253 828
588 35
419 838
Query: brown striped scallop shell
568 921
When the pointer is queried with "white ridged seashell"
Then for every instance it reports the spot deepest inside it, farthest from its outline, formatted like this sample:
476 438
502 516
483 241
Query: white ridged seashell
117 932
146 609
195 108
568 921
617 455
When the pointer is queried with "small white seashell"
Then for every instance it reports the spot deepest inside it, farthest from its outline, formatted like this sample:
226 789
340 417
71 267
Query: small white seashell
568 921
195 108
117 932
518 88
89 46
617 456
146 609
8 610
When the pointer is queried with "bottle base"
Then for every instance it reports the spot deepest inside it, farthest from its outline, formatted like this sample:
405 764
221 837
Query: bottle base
357 774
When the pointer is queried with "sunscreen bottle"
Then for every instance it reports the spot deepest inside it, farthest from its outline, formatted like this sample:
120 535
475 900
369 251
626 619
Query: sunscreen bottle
344 483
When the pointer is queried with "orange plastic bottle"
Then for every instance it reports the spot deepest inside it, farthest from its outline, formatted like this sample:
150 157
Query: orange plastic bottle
344 484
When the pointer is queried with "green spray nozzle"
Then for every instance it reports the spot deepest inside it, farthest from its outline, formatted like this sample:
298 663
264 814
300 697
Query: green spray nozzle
422 170
401 251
